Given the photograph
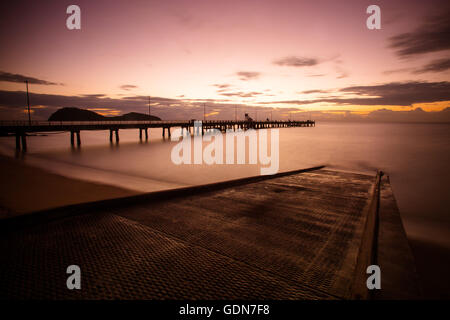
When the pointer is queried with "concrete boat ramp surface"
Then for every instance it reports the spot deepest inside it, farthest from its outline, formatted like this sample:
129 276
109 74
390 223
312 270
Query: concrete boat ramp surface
291 236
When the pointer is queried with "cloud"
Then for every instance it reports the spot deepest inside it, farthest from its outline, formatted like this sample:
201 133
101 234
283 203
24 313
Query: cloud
16 99
128 87
241 94
380 115
293 61
401 70
12 107
314 91
416 115
248 75
95 95
432 36
439 65
394 93
11 77
12 104
301 62
222 85
400 93
435 66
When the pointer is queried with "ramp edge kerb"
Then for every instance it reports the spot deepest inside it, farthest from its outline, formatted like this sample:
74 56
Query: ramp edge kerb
367 253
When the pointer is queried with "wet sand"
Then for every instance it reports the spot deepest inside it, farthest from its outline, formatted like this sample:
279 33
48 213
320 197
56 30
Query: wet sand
25 189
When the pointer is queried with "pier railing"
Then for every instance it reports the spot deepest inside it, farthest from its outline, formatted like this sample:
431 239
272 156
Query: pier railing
23 123
34 123
21 128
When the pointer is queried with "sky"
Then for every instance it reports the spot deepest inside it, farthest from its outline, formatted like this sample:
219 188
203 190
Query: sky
281 59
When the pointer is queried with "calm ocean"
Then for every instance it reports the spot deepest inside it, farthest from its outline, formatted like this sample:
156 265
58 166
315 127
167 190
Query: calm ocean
416 156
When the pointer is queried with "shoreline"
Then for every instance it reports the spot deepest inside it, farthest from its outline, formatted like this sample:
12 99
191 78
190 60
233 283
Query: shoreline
26 189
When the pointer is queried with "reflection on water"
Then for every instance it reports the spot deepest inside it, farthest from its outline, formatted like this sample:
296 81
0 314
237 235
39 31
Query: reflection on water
416 157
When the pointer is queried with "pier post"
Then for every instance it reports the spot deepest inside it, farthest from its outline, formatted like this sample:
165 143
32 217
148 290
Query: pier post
78 138
117 135
17 141
72 138
164 132
140 133
168 131
24 141
146 134
110 135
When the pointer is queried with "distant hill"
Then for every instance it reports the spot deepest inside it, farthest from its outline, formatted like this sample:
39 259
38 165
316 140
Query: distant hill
76 114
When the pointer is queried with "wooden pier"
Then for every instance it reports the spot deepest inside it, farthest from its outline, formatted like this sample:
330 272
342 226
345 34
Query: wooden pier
307 234
21 128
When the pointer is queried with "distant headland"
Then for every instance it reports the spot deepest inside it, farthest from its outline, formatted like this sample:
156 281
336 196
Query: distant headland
76 114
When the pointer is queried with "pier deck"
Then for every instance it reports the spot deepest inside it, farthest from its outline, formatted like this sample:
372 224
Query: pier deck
294 236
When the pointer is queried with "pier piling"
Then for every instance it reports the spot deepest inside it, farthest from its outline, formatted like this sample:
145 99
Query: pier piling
24 141
17 141
78 138
72 138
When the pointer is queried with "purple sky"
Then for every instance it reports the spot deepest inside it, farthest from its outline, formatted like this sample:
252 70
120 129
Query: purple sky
293 57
